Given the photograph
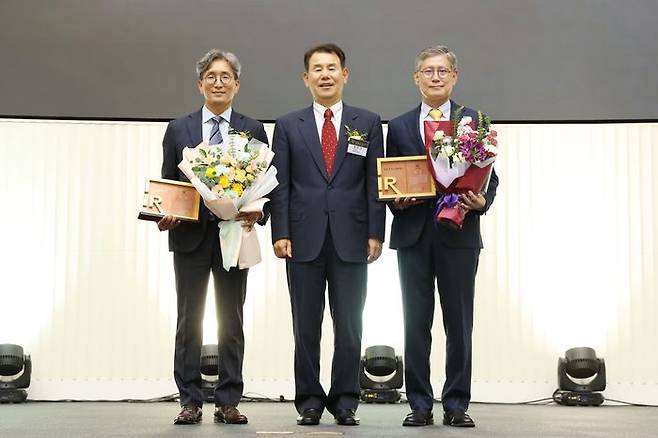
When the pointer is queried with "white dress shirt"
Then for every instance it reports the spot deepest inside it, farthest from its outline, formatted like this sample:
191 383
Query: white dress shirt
425 115
207 123
336 114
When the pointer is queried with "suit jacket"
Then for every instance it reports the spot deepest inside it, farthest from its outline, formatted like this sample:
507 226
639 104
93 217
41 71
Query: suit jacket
187 131
404 138
308 200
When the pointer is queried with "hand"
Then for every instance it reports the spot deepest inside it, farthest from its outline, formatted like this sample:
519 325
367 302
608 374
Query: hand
249 219
470 201
283 248
168 222
374 250
404 203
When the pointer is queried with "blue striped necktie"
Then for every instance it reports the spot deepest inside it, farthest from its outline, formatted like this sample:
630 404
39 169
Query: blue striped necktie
215 133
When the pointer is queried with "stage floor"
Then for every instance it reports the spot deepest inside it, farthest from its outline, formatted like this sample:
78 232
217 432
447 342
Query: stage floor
90 419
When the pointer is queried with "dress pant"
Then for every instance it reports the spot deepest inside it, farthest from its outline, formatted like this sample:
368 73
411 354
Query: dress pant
192 272
453 269
346 284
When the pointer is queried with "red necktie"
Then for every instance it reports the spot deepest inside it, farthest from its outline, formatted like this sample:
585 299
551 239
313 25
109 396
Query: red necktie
329 141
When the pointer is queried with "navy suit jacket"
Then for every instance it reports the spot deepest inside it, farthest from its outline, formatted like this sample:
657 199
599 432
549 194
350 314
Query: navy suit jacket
308 200
404 138
187 131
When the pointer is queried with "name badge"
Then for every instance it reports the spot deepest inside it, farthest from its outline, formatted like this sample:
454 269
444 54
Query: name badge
357 147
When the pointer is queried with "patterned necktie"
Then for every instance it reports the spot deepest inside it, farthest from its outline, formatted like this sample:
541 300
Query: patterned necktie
329 141
435 114
215 133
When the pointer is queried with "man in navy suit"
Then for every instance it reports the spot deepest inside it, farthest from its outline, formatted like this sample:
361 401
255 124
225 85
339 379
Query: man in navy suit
327 224
197 252
429 253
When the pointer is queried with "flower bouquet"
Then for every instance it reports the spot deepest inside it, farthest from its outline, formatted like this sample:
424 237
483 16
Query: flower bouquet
461 161
232 177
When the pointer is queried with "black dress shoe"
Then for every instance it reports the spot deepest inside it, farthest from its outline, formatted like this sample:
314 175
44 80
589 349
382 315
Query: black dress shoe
345 417
458 419
309 417
418 418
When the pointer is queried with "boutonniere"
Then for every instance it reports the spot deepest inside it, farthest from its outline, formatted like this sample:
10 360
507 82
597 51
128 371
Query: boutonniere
355 134
241 134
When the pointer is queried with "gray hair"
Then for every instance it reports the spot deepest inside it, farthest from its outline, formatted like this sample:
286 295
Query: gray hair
213 55
436 51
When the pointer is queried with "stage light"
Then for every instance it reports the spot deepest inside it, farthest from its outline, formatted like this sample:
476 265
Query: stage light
380 375
580 375
15 373
209 371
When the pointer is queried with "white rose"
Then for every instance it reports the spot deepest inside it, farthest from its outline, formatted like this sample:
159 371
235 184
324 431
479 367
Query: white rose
449 150
466 120
438 135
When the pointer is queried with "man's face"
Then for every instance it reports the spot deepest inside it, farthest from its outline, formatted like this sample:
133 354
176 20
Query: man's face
435 79
218 85
325 78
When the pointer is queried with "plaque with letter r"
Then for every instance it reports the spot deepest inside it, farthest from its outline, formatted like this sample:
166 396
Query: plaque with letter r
406 176
165 196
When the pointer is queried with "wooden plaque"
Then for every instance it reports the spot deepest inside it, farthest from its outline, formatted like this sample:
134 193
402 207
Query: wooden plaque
165 196
406 176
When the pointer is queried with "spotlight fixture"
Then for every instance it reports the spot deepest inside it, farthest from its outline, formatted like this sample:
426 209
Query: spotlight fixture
15 373
580 375
380 375
209 371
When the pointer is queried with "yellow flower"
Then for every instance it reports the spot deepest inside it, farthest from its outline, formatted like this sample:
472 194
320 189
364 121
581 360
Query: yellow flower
240 175
211 171
223 181
237 188
250 177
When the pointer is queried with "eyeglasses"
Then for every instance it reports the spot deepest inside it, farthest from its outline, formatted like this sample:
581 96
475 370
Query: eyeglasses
212 79
441 72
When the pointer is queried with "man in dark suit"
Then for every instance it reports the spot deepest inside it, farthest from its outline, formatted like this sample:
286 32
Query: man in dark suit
428 253
327 224
197 252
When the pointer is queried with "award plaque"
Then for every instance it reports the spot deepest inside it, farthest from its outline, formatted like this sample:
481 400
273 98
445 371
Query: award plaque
407 176
165 196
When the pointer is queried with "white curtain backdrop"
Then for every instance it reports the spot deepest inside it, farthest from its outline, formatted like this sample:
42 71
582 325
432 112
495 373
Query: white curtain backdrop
570 258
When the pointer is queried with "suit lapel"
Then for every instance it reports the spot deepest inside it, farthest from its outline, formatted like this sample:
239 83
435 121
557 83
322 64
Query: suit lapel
347 118
194 130
237 121
413 125
309 132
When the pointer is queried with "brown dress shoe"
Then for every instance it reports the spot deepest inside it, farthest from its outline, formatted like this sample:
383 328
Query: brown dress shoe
229 415
189 415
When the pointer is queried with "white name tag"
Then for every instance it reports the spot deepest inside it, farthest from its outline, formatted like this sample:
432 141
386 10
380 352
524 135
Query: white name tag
357 150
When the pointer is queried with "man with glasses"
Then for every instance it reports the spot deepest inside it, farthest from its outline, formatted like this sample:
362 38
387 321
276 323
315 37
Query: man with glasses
197 252
429 253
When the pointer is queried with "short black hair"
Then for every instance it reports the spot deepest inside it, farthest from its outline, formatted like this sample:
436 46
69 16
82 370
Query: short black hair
324 48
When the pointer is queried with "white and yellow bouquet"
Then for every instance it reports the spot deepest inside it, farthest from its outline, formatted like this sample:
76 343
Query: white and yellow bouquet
232 177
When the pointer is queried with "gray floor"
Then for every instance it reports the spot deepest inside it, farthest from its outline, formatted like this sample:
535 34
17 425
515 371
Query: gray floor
87 419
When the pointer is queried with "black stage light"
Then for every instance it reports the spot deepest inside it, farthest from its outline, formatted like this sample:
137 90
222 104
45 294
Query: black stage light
380 375
580 374
15 373
209 371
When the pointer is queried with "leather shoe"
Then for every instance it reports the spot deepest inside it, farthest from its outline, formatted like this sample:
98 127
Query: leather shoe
418 418
345 417
229 415
189 415
309 417
457 419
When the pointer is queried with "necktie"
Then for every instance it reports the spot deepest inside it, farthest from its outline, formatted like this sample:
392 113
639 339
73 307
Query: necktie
215 133
329 141
435 114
